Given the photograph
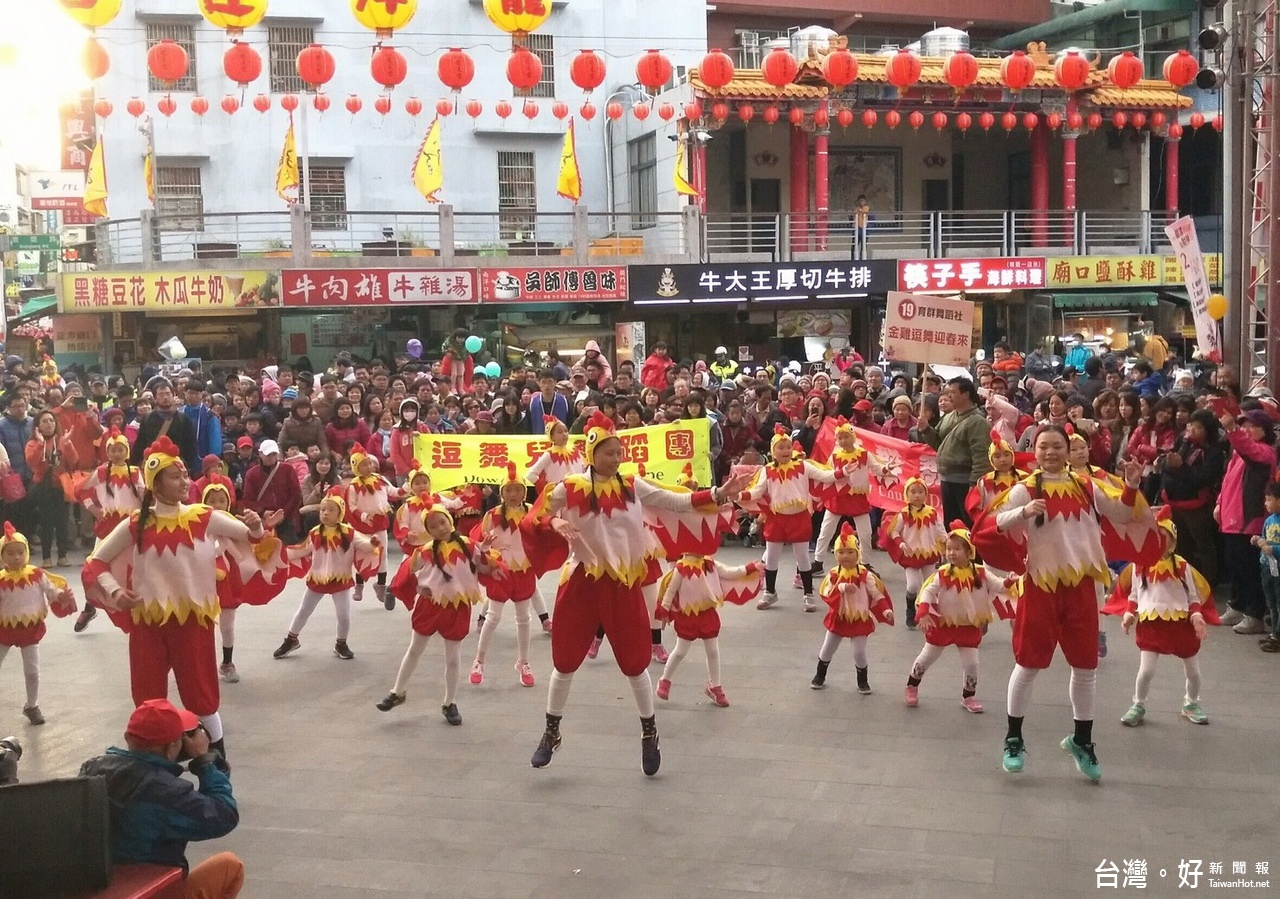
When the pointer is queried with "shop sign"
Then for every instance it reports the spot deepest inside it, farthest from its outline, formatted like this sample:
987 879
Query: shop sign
973 275
1081 272
920 328
193 291
76 124
56 190
763 281
1182 236
1173 276
376 287
814 323
78 216
78 334
49 243
562 284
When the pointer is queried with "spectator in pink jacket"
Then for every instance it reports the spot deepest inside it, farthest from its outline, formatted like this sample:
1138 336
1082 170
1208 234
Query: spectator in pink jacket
1240 512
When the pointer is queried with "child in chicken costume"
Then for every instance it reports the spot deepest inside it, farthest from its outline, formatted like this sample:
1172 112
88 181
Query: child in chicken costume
995 483
156 574
915 540
410 525
955 604
557 461
111 493
850 498
367 500
27 595
601 514
858 599
1169 606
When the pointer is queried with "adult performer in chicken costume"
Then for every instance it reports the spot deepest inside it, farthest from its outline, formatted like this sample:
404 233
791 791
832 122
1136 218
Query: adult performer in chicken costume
156 574
600 513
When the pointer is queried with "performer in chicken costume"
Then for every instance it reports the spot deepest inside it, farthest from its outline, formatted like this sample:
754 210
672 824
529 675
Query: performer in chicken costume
858 599
915 539
558 461
1054 524
995 483
601 514
367 504
156 574
27 595
954 605
850 498
111 493
1169 605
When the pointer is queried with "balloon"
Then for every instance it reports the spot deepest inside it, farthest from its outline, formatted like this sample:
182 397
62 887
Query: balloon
414 348
1216 306
473 344
493 369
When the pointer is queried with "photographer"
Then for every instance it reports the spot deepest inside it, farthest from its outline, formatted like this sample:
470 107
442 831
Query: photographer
155 812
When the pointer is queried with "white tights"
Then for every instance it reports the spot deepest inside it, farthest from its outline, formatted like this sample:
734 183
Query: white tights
827 533
915 580
1147 671
452 665
1083 688
968 663
227 627
773 555
831 643
711 645
30 671
558 693
539 604
311 599
491 620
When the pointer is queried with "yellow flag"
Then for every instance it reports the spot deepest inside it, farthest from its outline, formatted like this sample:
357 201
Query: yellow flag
149 176
95 182
428 165
682 184
569 182
288 178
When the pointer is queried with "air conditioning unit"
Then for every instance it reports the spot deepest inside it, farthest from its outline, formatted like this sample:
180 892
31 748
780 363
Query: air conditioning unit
1176 30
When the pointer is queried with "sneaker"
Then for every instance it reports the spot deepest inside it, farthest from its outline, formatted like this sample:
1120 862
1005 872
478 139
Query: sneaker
971 704
809 604
342 651
546 626
767 600
660 654
547 747
1134 716
650 754
1014 750
912 696
83 619
664 688
358 594
1271 644
911 622
1085 758
1250 625
289 645
796 582
388 601
451 713
594 649
62 562
864 683
477 672
1193 713
819 682
1232 616
1102 645
33 713
228 673
525 672
717 696
392 700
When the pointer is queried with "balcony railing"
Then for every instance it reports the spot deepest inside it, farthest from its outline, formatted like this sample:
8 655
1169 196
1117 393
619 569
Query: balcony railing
442 237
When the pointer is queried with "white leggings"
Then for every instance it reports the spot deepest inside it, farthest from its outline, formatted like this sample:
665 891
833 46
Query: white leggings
831 642
827 533
1082 690
711 645
227 627
1147 671
452 665
968 663
915 579
650 593
311 599
773 555
539 604
30 670
491 620
561 681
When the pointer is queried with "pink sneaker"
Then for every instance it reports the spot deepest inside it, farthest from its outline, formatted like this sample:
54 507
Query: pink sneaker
912 695
717 696
659 653
594 649
664 688
477 672
525 672
971 704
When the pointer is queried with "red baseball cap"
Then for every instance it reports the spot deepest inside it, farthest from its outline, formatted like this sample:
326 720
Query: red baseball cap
244 442
158 722
863 406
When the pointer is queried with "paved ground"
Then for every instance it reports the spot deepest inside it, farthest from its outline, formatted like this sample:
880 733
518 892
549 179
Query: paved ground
789 792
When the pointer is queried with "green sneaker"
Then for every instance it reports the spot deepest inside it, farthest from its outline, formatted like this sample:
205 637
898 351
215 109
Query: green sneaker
1014 750
1193 713
1085 758
1134 716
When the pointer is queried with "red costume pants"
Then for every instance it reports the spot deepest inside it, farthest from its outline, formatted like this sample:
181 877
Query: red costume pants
185 649
1066 617
585 603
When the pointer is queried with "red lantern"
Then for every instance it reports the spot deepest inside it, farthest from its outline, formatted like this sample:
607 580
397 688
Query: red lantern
1217 123
939 120
986 120
640 110
796 115
321 102
845 117
289 102
960 70
716 69
1119 120
388 67
746 112
502 108
614 111
230 104
530 109
1125 70
840 68
1053 120
524 69
166 106
964 121
821 118
354 104
262 102
770 115
1075 121
199 105
587 70
456 69
916 119
1030 121
1139 121
444 108
382 105
1180 69
653 71
1071 71
902 69
413 106
666 112
1095 121
167 61
1008 121
720 111
242 64
315 66
103 108
95 59
560 109
693 110
474 108
1196 121
1175 131
135 107
588 112
1017 71
892 118
1158 119
779 67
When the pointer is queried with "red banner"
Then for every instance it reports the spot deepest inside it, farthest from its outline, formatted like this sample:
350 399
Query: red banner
900 461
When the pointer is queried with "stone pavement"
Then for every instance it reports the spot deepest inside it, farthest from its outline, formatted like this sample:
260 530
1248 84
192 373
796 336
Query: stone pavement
788 792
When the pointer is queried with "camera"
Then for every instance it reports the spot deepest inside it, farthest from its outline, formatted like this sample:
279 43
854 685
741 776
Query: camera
80 403
10 752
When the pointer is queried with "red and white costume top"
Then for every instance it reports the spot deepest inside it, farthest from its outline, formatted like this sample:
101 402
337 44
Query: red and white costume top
697 584
26 596
410 527
786 492
964 596
851 495
368 502
991 487
441 573
327 566
115 489
528 550
914 538
555 464
254 578
1170 590
858 600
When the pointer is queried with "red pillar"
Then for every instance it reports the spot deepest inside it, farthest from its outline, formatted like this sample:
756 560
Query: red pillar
700 173
799 189
1171 176
1067 238
1040 183
821 186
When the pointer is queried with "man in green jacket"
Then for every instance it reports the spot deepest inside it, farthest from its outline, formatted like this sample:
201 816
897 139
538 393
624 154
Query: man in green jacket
962 455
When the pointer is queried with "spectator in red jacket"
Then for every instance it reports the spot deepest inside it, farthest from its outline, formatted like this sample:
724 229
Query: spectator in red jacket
346 429
654 371
402 436
270 487
902 421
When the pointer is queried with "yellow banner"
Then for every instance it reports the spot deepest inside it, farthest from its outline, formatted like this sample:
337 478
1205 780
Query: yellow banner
203 291
1212 269
1084 272
457 459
